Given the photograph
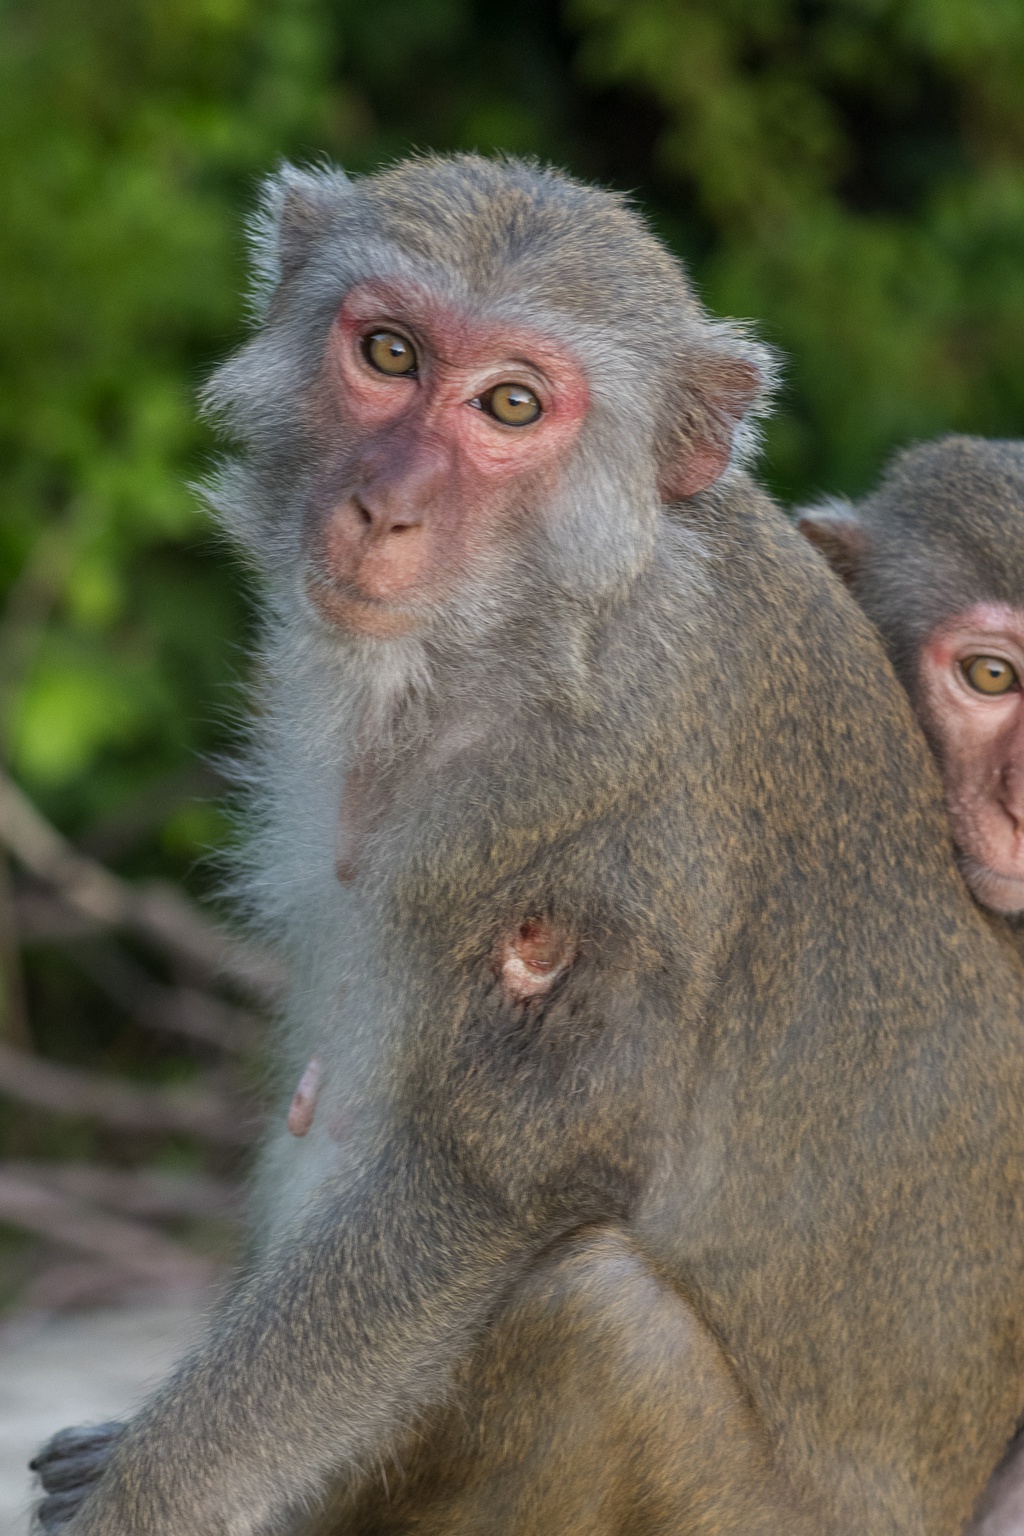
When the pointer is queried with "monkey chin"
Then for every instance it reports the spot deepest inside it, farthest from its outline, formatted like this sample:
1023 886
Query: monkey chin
997 892
356 614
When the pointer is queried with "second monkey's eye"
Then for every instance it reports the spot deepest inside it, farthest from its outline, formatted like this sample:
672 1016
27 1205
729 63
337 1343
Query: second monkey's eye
989 674
389 353
512 404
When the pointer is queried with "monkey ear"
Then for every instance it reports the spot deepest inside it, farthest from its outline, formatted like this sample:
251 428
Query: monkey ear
717 402
295 209
837 531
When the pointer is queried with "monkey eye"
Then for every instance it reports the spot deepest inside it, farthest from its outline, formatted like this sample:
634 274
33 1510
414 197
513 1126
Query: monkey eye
389 353
989 674
512 404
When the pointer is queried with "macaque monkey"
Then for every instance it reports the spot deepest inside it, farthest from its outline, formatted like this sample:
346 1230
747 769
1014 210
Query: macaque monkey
935 557
647 1040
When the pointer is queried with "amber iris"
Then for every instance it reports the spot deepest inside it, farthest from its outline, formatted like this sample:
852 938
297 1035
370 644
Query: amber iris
389 353
512 404
989 674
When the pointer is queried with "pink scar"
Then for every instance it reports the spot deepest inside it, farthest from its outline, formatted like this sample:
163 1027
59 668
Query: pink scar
303 1105
302 1112
530 962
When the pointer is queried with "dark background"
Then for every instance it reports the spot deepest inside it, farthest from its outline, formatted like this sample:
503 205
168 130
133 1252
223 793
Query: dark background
849 174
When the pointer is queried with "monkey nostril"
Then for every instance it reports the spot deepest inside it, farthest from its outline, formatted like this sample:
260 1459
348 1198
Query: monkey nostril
383 519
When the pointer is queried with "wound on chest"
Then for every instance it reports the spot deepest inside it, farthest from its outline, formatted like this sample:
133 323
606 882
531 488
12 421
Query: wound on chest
531 959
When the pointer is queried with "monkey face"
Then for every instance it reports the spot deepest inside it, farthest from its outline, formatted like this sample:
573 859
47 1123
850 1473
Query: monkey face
450 429
972 704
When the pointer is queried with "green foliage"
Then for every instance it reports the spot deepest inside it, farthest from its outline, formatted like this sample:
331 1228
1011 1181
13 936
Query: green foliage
858 165
128 137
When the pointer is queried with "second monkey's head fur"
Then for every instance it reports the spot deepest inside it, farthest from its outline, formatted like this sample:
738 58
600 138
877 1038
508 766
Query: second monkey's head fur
500 243
943 530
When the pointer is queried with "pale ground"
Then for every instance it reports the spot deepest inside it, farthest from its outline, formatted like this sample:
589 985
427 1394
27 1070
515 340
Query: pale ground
79 1368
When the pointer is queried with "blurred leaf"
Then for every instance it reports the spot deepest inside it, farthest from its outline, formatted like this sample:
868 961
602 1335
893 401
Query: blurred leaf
69 714
859 166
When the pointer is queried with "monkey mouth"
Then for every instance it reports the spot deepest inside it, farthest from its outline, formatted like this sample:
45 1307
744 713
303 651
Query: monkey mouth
348 608
993 889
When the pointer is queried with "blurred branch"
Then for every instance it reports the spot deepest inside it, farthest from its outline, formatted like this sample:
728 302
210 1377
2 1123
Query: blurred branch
74 1224
14 1025
125 1106
181 1011
185 1011
134 819
77 1282
42 918
147 1193
155 910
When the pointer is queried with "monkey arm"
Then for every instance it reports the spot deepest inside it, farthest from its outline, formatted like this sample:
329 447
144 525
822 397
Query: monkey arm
349 1328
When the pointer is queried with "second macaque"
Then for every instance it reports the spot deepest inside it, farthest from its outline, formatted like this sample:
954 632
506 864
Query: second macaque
936 558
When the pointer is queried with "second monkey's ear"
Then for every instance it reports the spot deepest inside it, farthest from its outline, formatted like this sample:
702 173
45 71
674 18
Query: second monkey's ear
836 530
294 210
715 406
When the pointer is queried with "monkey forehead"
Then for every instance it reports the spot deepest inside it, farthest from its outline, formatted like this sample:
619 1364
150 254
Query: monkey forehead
361 270
978 622
958 501
506 222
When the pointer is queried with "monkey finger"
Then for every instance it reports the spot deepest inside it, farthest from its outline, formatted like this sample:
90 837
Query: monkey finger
74 1471
78 1440
58 1509
75 1458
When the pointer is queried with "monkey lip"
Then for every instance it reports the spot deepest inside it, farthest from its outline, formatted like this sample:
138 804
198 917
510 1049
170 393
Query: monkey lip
994 889
355 611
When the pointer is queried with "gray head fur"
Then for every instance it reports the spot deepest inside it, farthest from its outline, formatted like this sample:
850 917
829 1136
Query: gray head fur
945 530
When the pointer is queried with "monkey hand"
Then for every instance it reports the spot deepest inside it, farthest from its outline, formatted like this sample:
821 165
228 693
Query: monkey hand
67 1466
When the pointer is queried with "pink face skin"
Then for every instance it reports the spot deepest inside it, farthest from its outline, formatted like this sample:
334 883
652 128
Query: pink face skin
979 739
431 478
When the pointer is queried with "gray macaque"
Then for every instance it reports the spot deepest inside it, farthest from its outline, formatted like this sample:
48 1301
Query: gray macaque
935 557
636 994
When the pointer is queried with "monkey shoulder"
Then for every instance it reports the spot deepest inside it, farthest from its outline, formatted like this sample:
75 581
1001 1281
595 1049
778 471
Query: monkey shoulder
1010 929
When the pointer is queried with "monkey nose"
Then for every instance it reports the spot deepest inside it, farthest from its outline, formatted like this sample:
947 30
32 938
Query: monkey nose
380 516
